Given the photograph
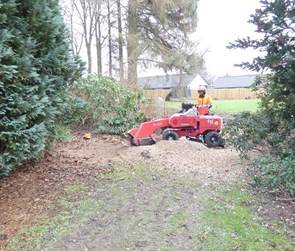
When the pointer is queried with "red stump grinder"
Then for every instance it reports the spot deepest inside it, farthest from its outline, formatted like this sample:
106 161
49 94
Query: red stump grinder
194 125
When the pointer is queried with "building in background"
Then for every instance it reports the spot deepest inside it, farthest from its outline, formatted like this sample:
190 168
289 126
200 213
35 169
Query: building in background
227 87
164 86
233 87
228 82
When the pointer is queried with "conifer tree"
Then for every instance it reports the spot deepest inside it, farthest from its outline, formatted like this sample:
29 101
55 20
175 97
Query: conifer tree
35 67
158 32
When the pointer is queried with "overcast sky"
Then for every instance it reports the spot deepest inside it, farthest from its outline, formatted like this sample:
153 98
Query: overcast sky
222 22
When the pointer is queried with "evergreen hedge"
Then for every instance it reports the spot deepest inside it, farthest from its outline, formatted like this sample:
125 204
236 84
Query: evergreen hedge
35 67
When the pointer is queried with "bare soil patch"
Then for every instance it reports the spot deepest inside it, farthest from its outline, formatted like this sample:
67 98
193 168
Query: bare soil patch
27 192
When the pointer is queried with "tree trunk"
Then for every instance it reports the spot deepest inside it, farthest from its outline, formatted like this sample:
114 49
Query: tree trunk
76 41
89 55
98 49
87 16
132 44
87 39
120 42
72 30
110 40
180 90
98 43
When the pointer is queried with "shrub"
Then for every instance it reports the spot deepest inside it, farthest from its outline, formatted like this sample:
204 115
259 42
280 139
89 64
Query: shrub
111 106
275 173
246 131
274 163
72 109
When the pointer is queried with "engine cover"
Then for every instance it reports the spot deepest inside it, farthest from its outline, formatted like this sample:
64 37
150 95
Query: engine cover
180 121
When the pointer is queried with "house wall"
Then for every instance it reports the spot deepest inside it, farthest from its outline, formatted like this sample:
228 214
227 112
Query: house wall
196 82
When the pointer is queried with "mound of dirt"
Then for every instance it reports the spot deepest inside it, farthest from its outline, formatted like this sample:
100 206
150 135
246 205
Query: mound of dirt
184 156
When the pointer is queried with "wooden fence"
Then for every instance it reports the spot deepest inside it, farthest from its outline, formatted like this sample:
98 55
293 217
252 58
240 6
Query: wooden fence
156 94
235 93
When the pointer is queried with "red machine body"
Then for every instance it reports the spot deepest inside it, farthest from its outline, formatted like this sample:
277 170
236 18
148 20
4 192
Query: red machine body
200 126
144 134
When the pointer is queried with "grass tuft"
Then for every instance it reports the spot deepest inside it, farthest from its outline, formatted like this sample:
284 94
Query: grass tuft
74 188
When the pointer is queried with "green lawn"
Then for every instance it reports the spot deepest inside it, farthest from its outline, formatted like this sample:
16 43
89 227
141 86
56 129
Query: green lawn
225 106
234 106
229 223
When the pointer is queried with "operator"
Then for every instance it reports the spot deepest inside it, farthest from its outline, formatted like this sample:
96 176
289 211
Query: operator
203 98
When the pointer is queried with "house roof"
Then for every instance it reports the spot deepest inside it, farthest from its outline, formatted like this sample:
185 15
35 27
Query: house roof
243 81
163 81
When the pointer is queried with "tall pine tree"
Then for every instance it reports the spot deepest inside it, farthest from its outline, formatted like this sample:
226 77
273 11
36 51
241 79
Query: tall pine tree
158 32
35 67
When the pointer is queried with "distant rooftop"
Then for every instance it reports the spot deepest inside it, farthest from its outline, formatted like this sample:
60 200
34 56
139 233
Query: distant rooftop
243 81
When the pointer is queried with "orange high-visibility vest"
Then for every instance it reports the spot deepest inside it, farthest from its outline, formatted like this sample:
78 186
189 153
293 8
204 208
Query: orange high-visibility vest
206 100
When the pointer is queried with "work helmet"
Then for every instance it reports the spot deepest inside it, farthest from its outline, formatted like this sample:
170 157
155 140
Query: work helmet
201 89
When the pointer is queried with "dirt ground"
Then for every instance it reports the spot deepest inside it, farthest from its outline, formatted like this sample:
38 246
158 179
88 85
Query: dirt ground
27 192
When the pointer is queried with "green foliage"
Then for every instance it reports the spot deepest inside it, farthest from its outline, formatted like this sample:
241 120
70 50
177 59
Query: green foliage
111 106
247 131
274 169
278 102
35 67
274 162
163 33
275 23
72 109
61 133
276 173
